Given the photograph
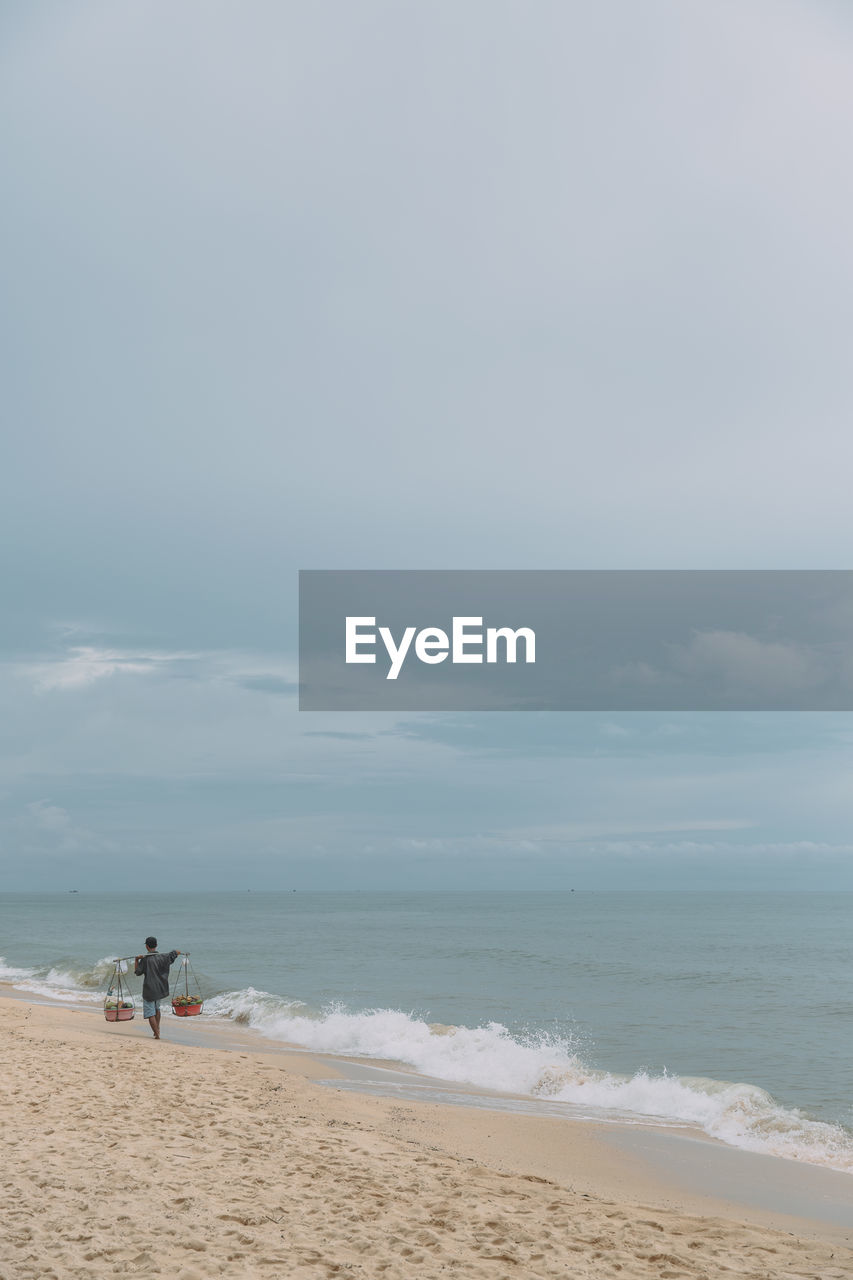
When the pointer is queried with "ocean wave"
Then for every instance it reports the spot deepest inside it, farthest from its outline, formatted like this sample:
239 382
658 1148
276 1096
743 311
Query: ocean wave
10 973
541 1065
69 983
741 1115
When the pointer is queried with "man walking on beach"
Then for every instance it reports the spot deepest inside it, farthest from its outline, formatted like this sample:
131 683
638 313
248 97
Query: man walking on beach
155 987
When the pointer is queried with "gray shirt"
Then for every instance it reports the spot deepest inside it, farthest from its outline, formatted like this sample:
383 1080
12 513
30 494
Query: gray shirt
155 966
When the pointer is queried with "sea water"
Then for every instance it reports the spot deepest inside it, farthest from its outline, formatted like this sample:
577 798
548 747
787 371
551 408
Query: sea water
730 1012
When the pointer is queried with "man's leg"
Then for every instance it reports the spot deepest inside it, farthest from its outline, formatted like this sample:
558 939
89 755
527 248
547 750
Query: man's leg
151 1011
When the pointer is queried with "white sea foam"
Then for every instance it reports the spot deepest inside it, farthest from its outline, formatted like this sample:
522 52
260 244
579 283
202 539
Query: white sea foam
10 973
545 1066
741 1115
70 985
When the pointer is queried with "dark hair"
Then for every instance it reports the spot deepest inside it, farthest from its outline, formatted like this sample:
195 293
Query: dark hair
151 943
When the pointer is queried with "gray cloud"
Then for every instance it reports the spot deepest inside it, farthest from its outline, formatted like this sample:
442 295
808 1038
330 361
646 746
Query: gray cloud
742 663
153 767
271 684
736 666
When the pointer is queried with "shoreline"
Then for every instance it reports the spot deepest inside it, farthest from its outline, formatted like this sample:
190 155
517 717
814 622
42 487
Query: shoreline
707 1167
261 1104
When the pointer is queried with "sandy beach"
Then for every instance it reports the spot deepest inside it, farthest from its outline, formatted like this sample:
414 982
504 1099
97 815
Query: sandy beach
127 1156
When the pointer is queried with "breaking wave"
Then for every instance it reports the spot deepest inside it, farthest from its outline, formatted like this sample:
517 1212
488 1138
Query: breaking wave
542 1065
68 983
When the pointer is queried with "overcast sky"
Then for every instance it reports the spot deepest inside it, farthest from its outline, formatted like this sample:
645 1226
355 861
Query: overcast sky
398 285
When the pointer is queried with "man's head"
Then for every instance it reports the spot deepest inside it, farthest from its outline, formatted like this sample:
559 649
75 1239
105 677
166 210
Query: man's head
151 944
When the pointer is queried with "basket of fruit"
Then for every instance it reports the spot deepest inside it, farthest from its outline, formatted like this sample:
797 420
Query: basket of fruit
186 1003
186 1006
118 1010
118 1002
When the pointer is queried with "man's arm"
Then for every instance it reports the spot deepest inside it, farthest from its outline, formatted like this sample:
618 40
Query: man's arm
172 957
138 966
